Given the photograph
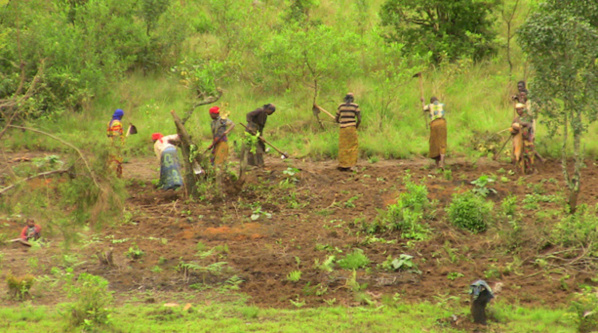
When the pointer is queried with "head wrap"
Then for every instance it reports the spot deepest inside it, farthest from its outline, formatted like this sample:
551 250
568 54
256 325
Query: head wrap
214 110
519 106
118 114
157 136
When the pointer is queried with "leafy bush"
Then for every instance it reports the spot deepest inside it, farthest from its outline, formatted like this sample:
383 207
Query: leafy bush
584 306
19 286
407 214
508 205
93 299
579 229
470 211
354 260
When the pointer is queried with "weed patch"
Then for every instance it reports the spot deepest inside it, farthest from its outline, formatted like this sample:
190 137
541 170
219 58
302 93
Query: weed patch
356 259
470 211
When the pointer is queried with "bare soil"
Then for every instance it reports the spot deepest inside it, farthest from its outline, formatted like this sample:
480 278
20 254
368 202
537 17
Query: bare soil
318 216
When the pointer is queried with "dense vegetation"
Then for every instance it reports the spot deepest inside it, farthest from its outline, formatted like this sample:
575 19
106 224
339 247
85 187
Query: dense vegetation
82 59
66 65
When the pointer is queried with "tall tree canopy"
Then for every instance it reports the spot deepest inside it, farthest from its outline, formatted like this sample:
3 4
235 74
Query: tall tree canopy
450 29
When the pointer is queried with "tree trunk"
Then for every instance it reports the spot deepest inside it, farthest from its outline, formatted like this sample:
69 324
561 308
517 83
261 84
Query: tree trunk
575 181
190 178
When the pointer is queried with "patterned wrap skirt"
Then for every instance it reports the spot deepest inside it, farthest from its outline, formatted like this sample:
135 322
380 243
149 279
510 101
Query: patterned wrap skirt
437 138
348 147
220 153
170 170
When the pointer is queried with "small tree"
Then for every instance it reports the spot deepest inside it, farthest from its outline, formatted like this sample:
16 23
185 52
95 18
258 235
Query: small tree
508 13
561 39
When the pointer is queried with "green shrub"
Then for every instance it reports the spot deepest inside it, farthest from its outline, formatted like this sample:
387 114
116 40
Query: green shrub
294 276
93 299
508 205
19 286
470 211
407 214
356 259
584 306
579 229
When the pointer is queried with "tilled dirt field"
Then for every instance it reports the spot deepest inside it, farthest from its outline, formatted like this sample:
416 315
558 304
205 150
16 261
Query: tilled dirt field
284 222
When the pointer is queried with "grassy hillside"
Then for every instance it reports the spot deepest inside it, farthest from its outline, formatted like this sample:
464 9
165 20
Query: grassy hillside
477 96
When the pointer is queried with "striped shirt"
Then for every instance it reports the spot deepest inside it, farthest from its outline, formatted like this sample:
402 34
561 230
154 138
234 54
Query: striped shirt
347 114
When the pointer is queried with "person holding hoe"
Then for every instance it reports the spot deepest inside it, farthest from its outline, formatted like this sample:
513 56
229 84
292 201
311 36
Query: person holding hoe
437 130
522 131
348 116
256 121
220 129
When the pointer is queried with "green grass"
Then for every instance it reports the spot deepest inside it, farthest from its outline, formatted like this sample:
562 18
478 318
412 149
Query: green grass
476 100
234 317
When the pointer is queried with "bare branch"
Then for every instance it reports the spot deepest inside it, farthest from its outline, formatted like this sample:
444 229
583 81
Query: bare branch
92 174
43 174
207 100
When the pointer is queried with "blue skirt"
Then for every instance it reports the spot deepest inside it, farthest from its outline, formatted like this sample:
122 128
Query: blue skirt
170 170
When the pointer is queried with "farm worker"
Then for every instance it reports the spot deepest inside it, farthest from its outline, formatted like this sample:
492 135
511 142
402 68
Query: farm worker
170 168
436 111
521 97
31 231
348 116
520 89
523 145
220 129
256 121
117 139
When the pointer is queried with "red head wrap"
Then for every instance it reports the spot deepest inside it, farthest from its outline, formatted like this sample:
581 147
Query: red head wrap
214 110
157 136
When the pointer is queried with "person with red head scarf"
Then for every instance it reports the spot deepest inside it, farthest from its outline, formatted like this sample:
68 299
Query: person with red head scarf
220 129
117 139
170 167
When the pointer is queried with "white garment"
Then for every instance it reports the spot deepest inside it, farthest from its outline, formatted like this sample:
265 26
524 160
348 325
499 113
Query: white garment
164 143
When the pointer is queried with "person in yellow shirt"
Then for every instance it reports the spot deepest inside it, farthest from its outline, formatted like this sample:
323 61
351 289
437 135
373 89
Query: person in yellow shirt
117 138
437 130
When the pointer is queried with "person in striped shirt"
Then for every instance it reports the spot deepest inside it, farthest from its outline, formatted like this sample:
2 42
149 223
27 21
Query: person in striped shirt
348 116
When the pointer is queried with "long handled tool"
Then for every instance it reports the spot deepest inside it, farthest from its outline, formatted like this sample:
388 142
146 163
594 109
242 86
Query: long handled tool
317 109
212 145
20 240
421 91
501 148
284 155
